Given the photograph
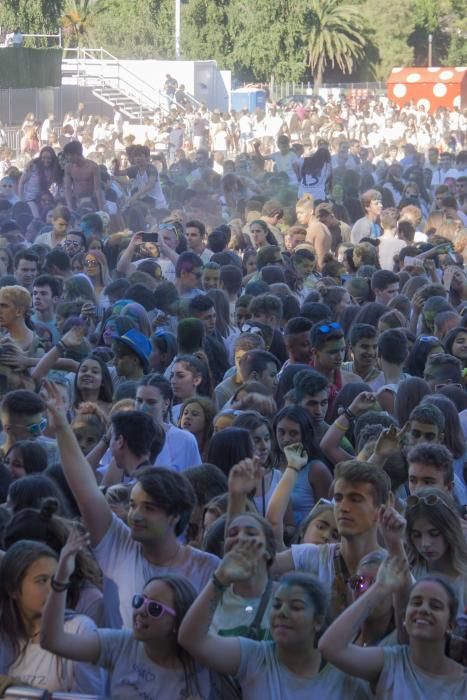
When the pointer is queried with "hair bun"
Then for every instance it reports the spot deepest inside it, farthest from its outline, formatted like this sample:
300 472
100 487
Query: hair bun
48 509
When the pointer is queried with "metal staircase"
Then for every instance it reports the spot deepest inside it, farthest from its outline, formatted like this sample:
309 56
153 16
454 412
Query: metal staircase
112 82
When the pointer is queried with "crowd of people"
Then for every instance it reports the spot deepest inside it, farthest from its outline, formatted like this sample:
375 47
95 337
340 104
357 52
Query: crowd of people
233 363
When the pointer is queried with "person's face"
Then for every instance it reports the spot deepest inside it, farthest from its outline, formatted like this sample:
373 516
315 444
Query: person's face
150 629
376 207
292 620
433 156
354 508
304 268
425 476
459 346
77 266
384 296
87 435
288 432
365 351
299 346
322 529
428 540
4 260
242 315
461 188
124 359
26 272
73 244
89 375
14 463
91 265
183 382
209 319
193 419
445 162
316 405
331 355
147 522
169 237
210 279
192 279
427 616
258 235
250 264
302 215
268 377
60 226
9 312
35 588
194 238
243 528
42 299
149 400
423 432
7 188
262 443
344 302
46 159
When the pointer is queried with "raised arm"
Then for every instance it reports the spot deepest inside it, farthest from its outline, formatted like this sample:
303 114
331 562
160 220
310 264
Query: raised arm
222 654
336 643
124 261
73 338
242 483
296 458
78 647
94 508
330 443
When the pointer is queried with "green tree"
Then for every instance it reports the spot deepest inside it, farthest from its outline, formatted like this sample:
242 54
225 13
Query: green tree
79 19
137 29
32 17
336 37
268 38
205 31
390 33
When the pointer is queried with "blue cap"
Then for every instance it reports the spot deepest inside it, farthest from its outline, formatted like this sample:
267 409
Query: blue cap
138 342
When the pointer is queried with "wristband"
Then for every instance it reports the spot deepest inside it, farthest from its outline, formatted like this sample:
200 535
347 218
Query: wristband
221 587
61 347
349 415
59 586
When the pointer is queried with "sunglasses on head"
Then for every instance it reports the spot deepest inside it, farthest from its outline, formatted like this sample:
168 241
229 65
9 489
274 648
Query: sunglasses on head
152 607
361 583
413 501
328 327
247 328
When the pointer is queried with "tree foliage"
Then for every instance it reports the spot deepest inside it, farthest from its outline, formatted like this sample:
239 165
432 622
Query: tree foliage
335 36
31 16
290 39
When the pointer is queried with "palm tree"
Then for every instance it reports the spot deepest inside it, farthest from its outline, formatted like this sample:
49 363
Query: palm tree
336 36
78 19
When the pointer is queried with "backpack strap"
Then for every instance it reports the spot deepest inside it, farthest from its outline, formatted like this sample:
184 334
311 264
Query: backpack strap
254 629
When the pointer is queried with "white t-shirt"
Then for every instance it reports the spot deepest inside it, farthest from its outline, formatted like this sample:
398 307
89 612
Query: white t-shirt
41 669
261 676
126 570
134 676
180 450
400 679
316 559
285 163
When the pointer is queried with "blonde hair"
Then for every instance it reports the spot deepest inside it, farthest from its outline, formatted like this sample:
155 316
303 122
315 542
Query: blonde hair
123 405
305 202
18 296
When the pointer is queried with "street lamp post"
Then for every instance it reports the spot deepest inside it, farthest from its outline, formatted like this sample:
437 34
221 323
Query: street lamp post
430 50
